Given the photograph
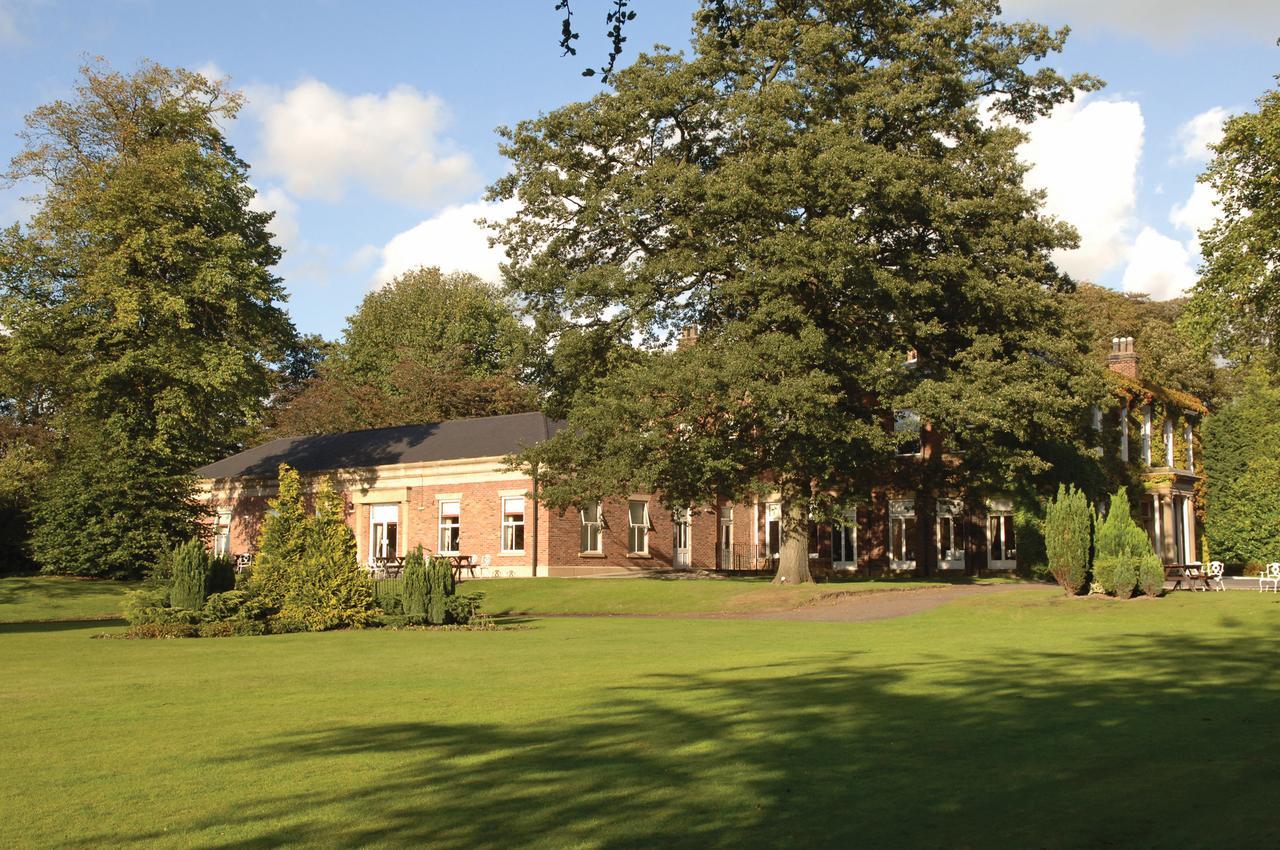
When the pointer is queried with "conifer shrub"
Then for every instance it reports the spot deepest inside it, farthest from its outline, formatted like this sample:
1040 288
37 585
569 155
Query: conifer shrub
145 605
222 574
1068 526
1150 575
232 628
232 605
439 589
1124 559
282 541
190 564
414 590
388 595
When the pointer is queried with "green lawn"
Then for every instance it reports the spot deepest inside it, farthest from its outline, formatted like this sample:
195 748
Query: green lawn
1017 720
24 598
659 595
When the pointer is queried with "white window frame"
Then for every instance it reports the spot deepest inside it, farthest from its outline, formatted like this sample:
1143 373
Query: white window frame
509 526
442 526
682 526
724 538
845 531
1169 459
641 528
222 533
772 514
375 524
951 558
1002 513
901 510
598 524
1188 435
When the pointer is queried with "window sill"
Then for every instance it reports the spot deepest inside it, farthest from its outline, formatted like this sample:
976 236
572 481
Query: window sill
504 553
590 554
640 556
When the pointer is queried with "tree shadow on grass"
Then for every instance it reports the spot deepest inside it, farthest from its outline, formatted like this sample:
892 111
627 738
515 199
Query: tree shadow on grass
60 625
1028 749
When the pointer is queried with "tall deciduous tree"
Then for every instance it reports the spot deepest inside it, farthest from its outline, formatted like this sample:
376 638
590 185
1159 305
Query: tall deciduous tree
817 192
1235 305
427 346
139 296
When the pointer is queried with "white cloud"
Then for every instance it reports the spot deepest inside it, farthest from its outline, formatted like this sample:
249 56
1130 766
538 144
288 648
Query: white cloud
1158 20
1198 212
285 223
451 240
1085 156
1158 266
321 143
9 33
1196 135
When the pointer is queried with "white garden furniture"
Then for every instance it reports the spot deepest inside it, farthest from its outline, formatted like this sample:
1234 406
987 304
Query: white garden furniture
1213 576
1270 575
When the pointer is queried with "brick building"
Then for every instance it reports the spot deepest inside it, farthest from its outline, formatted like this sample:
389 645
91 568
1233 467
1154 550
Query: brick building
445 486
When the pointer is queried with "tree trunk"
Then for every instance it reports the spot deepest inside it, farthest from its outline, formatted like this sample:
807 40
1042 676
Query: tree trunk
793 554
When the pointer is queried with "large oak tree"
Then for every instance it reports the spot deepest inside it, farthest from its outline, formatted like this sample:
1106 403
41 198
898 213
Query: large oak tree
818 189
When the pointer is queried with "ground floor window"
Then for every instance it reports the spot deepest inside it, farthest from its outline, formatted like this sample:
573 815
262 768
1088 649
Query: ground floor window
638 523
726 537
384 526
1001 543
902 534
589 540
450 526
680 521
950 535
222 533
513 524
844 541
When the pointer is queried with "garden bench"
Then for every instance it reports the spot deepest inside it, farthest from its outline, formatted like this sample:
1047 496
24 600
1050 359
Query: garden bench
1270 575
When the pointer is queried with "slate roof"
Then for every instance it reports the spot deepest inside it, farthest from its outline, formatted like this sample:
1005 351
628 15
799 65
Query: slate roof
456 439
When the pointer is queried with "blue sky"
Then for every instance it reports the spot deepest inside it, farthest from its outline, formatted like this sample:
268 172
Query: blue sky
370 126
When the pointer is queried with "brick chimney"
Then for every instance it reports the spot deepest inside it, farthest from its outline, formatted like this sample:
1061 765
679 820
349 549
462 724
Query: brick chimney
1123 358
688 337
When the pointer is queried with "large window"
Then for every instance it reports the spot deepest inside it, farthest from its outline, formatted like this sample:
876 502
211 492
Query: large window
1001 545
906 429
1146 435
589 541
844 541
450 526
384 526
222 533
513 524
1169 459
902 535
950 535
638 521
1188 437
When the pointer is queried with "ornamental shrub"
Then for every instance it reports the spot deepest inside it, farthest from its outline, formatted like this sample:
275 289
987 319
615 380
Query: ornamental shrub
1150 575
190 564
414 590
329 589
222 574
1117 575
462 609
439 588
232 628
282 542
152 631
1068 526
140 606
388 595
232 605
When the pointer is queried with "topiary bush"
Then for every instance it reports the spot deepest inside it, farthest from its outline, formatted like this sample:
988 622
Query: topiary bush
190 564
1068 529
414 590
439 588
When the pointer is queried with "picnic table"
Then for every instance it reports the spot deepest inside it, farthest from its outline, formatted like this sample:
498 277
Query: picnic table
1188 574
391 567
462 562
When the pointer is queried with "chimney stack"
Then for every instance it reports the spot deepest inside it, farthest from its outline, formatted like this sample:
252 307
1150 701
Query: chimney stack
688 337
1123 358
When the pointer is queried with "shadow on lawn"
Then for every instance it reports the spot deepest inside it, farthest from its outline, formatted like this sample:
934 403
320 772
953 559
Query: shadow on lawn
1026 749
60 625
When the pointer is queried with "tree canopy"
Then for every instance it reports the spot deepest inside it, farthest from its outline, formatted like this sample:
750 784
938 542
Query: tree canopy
817 190
428 346
1235 304
139 302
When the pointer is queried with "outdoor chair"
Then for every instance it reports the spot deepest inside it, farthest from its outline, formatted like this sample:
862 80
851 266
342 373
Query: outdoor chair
1270 575
1213 575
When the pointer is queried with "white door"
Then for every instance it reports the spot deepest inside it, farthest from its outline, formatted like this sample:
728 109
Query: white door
680 550
1002 548
726 538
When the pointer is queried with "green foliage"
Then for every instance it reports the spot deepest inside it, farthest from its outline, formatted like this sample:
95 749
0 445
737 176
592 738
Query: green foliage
1235 305
190 575
1242 468
232 605
1118 575
1150 575
426 347
388 595
162 631
439 588
327 588
756 189
222 574
237 627
1028 530
282 540
1118 535
145 605
1068 536
139 307
415 589
462 609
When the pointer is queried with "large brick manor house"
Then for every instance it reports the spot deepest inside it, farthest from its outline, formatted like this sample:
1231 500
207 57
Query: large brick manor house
444 486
